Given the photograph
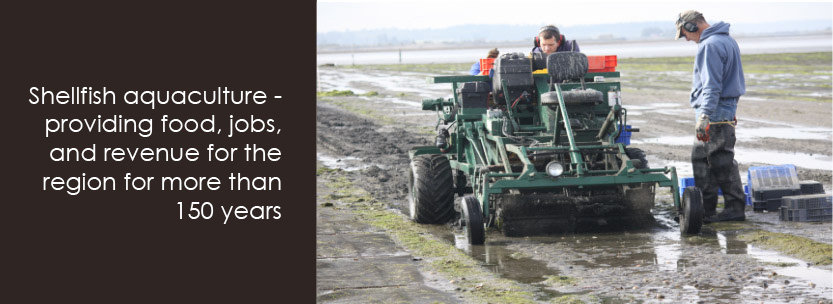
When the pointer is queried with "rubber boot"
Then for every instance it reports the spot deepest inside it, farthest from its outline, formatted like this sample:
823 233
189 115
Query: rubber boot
724 170
703 178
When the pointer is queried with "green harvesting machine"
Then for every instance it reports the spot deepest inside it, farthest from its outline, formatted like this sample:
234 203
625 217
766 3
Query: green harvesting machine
538 148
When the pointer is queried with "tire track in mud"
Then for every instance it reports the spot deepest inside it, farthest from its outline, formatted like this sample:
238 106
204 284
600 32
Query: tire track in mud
383 148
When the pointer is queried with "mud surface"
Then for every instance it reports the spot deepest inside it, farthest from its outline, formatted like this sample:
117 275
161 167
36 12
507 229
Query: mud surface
368 136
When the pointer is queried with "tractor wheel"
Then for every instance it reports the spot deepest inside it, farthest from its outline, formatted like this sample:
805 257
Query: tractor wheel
637 154
431 189
691 215
471 217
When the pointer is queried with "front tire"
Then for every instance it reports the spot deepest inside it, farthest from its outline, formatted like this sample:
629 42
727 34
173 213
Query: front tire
431 189
472 218
691 215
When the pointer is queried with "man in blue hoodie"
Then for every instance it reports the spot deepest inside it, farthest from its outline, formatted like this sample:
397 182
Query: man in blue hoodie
716 86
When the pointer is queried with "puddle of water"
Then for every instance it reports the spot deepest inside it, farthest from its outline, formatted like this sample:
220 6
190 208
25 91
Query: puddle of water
804 160
629 252
409 103
744 119
746 134
667 140
730 244
650 107
496 257
815 94
818 276
347 163
745 155
400 82
668 250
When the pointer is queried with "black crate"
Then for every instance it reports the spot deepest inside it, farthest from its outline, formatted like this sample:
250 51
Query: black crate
811 187
807 215
809 201
770 205
763 195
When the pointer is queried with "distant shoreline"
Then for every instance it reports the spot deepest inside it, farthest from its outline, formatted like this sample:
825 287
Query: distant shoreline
340 49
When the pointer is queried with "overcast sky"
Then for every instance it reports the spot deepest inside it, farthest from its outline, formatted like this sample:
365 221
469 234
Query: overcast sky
352 15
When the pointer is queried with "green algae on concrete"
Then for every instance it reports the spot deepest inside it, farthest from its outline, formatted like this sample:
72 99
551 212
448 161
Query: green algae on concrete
560 280
566 299
728 226
324 170
800 247
336 93
441 257
781 264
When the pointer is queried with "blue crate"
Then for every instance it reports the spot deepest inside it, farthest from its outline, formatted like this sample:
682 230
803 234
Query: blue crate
689 182
624 136
685 182
748 196
783 177
772 182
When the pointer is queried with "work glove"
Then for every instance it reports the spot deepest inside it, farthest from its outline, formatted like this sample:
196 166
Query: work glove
702 128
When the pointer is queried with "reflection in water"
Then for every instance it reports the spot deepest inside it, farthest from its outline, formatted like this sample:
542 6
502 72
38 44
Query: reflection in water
730 244
668 250
532 260
509 264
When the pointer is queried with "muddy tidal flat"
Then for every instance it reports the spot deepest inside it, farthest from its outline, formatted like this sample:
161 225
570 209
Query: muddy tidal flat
369 117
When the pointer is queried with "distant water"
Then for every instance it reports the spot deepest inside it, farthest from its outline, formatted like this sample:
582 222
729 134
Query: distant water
624 49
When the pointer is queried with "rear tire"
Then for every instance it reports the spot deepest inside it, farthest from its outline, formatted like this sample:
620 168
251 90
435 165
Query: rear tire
472 218
691 215
638 154
431 189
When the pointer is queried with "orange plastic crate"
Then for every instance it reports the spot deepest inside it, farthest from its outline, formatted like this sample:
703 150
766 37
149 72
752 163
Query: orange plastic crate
600 64
485 65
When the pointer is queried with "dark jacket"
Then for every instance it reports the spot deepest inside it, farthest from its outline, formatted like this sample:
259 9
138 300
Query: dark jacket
566 46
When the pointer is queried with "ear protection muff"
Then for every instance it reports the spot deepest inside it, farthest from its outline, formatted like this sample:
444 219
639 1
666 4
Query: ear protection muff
558 38
688 26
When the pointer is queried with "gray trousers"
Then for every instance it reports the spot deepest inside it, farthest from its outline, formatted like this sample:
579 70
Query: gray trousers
715 167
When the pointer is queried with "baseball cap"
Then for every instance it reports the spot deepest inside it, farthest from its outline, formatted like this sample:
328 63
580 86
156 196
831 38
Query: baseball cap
684 17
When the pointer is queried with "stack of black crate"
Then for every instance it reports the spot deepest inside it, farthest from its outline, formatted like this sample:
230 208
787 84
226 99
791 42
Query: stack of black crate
812 206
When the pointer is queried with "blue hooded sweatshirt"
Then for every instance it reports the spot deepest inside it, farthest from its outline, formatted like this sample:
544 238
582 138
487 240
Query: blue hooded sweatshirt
718 75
